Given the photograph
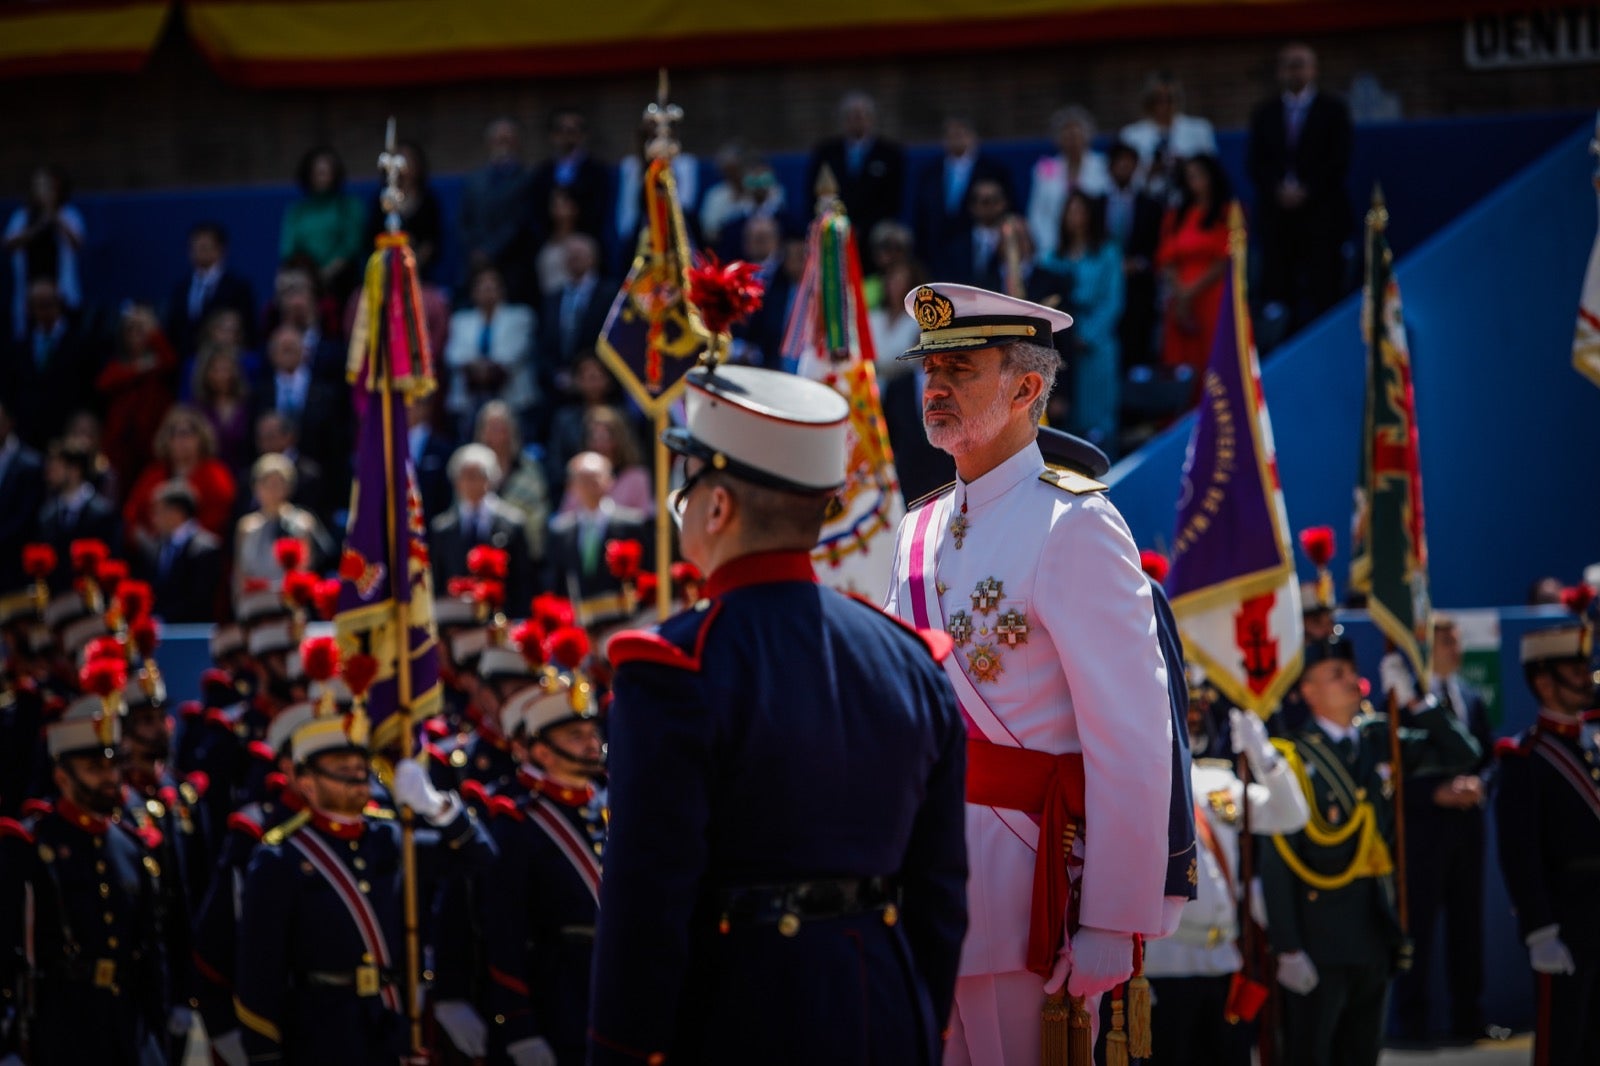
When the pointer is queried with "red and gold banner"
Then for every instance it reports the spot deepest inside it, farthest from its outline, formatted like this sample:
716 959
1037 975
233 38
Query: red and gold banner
74 36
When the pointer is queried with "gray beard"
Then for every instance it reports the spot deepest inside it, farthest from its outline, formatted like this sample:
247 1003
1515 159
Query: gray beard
972 430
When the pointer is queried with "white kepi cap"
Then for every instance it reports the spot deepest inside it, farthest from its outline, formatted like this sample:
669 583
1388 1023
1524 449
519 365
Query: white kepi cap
965 318
773 429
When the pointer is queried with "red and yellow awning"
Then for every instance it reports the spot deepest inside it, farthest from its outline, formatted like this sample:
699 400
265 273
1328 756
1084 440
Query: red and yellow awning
67 36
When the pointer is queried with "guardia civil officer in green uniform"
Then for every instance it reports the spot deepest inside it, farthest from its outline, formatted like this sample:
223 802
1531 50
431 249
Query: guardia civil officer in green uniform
1330 893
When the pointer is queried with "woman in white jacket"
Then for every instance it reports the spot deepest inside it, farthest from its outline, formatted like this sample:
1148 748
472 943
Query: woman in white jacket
1074 166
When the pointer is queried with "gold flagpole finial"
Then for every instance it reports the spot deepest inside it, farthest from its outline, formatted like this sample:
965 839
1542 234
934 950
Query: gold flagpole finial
826 190
1236 231
391 162
662 115
1378 213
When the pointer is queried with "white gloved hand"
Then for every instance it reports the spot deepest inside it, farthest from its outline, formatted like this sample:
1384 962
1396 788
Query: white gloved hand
228 1048
1395 675
1101 961
1250 739
1546 952
534 1051
1297 972
413 789
463 1025
180 1021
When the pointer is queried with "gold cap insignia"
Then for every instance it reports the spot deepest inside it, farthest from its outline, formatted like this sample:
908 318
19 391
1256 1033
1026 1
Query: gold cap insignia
932 310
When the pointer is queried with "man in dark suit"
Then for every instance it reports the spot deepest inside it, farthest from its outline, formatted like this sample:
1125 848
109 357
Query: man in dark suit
1133 220
922 468
210 287
432 444
570 167
494 212
1299 158
973 255
317 405
572 317
479 517
48 373
21 487
576 560
184 566
939 208
277 433
75 510
870 170
1444 864
759 339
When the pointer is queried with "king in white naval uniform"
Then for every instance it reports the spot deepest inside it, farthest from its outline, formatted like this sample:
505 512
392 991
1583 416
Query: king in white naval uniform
1059 673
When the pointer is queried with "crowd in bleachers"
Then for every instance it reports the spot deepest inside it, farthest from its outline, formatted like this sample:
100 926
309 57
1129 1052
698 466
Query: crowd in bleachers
187 429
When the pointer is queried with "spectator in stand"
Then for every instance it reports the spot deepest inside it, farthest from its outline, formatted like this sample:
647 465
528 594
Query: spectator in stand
1545 591
45 237
939 207
762 197
722 201
550 264
522 480
136 387
186 452
22 489
592 386
433 440
223 330
1074 166
298 304
869 169
420 215
75 509
607 433
972 255
209 289
1165 136
1192 258
479 517
49 371
575 314
276 434
889 245
179 557
577 558
1093 263
325 224
494 211
1133 221
628 217
1299 160
759 339
490 353
896 273
319 406
570 167
84 428
254 555
221 394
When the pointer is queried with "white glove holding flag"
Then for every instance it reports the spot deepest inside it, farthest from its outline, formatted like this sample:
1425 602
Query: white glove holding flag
465 1028
1547 953
1395 675
1297 972
229 1048
413 789
534 1051
1098 960
1250 739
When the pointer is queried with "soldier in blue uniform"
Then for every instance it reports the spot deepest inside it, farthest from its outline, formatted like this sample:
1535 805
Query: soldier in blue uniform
319 979
80 906
1547 821
785 874
540 901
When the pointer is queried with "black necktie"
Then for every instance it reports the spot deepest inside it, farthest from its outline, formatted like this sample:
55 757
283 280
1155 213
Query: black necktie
1346 747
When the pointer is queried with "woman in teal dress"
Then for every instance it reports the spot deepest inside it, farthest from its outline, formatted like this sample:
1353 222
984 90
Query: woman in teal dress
325 225
1093 262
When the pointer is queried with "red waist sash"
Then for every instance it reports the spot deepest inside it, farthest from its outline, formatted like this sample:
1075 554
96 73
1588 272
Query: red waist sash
1050 788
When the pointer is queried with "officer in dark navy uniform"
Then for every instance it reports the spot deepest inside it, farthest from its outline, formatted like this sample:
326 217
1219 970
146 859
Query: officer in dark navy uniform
80 901
785 872
320 972
541 899
1547 820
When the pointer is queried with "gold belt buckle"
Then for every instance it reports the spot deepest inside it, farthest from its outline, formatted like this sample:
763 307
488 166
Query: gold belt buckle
105 973
1214 936
367 983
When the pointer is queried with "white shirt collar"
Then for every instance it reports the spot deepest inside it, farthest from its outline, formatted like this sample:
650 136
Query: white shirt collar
210 274
1336 732
79 496
1026 462
1302 98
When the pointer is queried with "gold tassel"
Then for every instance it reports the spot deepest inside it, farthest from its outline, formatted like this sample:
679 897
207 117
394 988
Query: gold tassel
1053 1031
1080 1043
1116 1039
1139 1038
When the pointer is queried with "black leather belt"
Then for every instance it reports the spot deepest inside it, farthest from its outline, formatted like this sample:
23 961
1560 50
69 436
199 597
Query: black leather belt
365 980
787 904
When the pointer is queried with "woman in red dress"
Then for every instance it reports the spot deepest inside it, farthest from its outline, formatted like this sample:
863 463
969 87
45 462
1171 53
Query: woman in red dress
185 448
137 388
1192 256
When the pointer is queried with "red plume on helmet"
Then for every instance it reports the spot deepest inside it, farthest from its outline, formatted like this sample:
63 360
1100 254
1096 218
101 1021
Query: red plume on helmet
87 555
360 670
725 294
319 657
38 560
104 676
685 574
488 563
146 636
624 559
1578 599
326 598
1155 564
528 638
105 648
134 599
1318 544
644 587
111 574
300 588
552 612
290 553
567 647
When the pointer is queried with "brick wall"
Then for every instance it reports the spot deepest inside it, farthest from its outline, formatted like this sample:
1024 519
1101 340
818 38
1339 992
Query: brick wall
177 124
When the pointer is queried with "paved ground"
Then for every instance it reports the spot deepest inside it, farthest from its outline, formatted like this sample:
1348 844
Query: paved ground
1518 1051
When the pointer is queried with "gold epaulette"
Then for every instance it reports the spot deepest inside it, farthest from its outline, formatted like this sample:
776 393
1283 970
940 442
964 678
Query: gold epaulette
930 496
385 813
1070 481
283 831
